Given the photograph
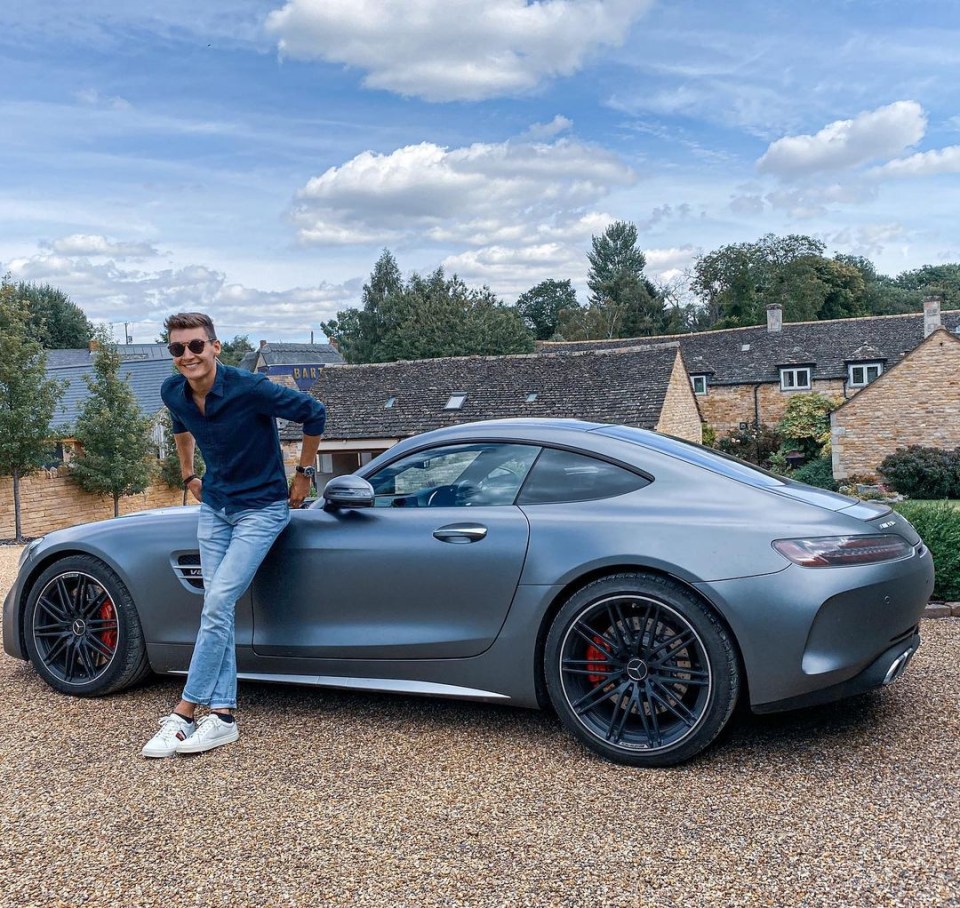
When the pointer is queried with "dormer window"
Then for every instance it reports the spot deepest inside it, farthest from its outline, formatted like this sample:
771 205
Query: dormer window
794 378
699 383
455 402
859 375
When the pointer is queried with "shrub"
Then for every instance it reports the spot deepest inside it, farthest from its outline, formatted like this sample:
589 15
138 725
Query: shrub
938 522
805 426
754 445
818 473
921 472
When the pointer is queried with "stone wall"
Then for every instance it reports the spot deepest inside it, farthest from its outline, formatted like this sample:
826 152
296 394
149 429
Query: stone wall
917 402
726 406
679 415
49 501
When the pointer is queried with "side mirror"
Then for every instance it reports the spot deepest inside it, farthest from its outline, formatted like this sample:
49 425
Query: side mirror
348 492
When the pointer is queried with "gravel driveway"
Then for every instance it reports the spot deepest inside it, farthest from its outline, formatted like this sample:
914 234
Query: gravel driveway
337 798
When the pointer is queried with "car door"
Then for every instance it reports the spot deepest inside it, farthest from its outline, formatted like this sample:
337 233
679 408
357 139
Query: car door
428 573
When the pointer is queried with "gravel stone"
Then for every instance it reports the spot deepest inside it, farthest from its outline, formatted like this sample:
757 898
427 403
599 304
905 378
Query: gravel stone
333 798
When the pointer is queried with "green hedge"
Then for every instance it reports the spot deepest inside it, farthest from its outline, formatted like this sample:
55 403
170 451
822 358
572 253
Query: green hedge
938 522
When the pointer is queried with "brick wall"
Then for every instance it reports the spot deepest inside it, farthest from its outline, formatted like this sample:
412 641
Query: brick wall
48 501
725 407
679 415
917 402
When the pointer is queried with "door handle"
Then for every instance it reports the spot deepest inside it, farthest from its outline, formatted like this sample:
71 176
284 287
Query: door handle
461 533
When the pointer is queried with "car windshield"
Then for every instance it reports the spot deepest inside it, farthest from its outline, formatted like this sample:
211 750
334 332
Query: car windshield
698 455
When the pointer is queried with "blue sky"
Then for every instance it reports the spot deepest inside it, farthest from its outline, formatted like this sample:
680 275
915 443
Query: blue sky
251 159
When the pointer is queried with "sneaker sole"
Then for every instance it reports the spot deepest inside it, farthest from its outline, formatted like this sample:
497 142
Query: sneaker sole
187 748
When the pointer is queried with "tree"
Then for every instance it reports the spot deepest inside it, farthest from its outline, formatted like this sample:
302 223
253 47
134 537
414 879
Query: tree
736 283
27 397
231 352
425 317
116 457
623 302
358 333
540 306
805 425
55 321
940 280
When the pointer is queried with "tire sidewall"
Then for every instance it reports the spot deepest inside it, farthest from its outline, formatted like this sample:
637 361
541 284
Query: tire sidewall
717 645
123 609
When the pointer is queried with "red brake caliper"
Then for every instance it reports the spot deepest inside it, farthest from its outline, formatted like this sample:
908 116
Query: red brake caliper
597 659
107 613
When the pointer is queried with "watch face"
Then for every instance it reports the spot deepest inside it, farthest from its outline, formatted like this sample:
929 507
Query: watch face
307 471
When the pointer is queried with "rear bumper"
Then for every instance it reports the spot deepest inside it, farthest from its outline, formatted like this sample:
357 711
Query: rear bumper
884 670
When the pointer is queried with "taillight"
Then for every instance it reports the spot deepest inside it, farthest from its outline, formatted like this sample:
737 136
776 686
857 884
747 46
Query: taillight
838 551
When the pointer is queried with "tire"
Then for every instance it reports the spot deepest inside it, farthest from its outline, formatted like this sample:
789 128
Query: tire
640 670
81 628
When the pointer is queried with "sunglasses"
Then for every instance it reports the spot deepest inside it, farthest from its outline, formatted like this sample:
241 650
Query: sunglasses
195 346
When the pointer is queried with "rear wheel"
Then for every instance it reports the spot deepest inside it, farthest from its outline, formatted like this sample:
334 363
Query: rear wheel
641 670
82 631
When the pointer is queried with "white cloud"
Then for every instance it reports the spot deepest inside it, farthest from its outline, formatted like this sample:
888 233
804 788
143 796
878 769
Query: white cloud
445 50
540 132
142 299
478 195
926 163
844 144
97 244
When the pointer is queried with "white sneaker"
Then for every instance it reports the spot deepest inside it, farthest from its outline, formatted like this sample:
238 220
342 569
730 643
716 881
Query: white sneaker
211 732
173 730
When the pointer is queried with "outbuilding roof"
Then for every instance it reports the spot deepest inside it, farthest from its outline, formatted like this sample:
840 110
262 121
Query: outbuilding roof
736 356
395 400
283 354
144 376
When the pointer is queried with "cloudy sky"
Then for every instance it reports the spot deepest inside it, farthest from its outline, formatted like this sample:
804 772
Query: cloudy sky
251 159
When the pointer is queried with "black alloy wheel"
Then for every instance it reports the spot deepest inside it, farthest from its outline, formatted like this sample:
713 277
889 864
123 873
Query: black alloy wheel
82 631
640 670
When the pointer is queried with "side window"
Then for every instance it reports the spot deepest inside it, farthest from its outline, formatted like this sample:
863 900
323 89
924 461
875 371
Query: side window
454 476
565 476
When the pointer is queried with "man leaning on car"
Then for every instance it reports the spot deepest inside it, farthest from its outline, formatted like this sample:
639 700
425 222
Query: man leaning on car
230 414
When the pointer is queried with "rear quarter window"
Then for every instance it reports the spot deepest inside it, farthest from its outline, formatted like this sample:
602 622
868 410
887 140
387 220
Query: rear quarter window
566 476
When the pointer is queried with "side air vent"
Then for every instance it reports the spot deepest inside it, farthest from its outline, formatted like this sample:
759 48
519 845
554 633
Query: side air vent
187 568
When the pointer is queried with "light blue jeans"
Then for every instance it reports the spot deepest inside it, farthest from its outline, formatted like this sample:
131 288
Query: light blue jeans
232 546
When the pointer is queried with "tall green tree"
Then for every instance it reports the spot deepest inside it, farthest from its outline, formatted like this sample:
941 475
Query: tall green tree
116 457
359 333
55 321
540 306
170 461
623 302
736 283
27 397
425 317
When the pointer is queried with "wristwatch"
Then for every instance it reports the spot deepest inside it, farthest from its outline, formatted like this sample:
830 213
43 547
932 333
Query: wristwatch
309 472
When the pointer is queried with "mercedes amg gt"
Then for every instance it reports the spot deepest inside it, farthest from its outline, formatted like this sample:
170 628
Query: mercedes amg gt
637 584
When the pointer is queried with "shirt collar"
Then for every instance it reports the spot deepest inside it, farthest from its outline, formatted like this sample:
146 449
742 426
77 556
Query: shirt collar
216 388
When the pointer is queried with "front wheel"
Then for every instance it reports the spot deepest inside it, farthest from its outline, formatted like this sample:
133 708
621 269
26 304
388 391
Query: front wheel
641 670
82 631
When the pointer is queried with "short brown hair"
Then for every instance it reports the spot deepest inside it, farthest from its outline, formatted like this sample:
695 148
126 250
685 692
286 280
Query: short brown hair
184 320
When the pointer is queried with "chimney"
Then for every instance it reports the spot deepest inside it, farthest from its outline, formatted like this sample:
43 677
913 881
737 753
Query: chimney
263 343
774 318
931 315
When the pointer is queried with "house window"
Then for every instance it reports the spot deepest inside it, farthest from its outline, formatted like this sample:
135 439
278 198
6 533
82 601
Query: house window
795 379
531 397
455 402
862 374
699 384
390 402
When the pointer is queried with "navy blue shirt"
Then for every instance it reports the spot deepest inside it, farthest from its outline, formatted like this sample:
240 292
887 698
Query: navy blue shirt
237 435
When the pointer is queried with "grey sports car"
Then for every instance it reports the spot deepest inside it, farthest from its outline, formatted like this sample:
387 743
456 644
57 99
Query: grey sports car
638 584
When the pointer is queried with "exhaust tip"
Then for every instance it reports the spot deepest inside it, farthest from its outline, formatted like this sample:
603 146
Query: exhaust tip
898 666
